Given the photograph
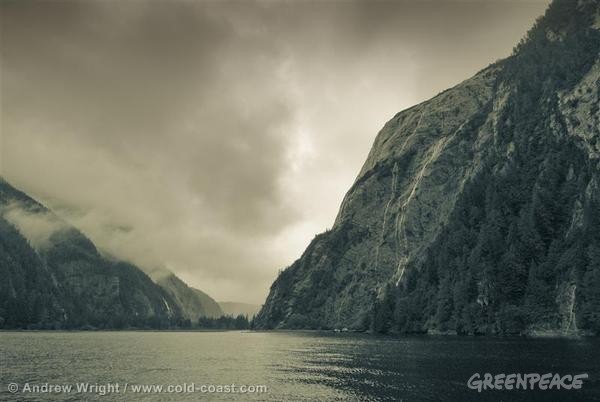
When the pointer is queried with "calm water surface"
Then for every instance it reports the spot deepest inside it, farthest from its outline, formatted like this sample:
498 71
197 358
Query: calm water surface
295 366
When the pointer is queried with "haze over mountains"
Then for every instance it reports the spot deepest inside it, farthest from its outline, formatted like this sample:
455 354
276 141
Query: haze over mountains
216 138
53 277
476 212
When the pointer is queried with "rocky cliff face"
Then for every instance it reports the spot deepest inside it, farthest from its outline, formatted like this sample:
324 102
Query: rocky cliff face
475 211
53 277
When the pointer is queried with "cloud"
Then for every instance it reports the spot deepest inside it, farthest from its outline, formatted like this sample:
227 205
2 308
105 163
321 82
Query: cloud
216 138
36 226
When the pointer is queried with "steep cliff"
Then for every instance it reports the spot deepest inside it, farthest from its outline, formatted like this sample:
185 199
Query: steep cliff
53 277
476 211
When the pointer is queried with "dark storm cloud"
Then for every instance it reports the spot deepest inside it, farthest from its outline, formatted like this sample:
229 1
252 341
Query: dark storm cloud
215 138
145 85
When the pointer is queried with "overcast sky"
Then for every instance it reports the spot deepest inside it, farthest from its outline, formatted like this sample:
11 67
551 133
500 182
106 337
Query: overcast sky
217 138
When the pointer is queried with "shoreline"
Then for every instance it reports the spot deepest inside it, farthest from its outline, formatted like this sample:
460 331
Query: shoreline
545 334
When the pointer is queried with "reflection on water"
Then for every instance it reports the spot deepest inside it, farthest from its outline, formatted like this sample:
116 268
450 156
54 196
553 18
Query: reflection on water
295 366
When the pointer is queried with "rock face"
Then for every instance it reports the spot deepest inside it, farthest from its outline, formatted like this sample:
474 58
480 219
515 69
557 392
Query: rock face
193 302
477 211
53 277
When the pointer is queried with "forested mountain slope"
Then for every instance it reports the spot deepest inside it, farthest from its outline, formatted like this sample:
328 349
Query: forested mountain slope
477 211
53 277
193 302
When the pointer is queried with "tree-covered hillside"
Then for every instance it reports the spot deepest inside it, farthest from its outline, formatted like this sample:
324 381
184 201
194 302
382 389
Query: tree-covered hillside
476 212
53 277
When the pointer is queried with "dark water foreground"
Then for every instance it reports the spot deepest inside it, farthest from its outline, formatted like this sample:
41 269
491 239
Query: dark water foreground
292 365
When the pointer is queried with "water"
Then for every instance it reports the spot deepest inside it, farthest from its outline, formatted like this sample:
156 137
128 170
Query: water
295 366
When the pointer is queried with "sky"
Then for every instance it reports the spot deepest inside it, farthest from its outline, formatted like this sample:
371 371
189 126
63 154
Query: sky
216 139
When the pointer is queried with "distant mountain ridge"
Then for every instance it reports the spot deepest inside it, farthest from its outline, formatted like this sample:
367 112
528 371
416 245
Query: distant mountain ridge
193 302
476 212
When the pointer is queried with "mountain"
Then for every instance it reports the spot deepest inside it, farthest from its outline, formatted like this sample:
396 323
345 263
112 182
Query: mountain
211 307
476 212
53 277
193 302
235 309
